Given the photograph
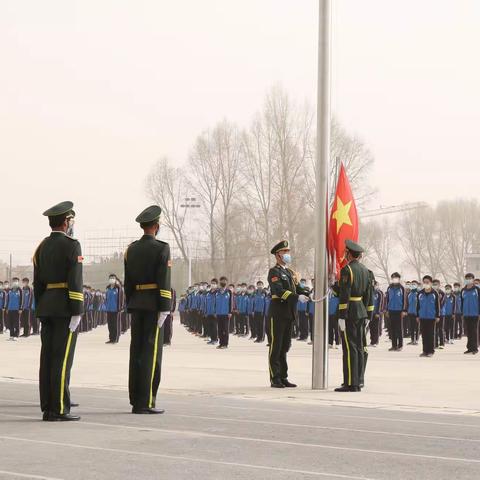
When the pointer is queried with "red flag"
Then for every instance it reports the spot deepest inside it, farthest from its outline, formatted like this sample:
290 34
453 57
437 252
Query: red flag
343 223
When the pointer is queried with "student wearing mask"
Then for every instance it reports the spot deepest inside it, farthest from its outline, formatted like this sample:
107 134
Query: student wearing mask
440 327
378 310
428 315
449 311
113 303
13 307
412 313
27 299
458 329
396 303
223 312
471 311
259 303
212 325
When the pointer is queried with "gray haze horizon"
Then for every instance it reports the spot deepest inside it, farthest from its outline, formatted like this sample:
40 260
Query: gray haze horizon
93 93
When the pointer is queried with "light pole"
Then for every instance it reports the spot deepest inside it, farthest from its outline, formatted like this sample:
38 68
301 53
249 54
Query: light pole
320 351
190 203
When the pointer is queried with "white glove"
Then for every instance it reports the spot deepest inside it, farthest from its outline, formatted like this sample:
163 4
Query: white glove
302 298
74 322
162 316
341 324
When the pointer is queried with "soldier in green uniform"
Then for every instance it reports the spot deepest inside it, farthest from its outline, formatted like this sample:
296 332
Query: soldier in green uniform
59 306
286 292
148 294
356 300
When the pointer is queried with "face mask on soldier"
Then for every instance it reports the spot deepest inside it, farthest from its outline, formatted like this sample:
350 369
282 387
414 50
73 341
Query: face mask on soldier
70 224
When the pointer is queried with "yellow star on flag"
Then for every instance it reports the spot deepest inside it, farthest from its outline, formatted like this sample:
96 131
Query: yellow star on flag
342 214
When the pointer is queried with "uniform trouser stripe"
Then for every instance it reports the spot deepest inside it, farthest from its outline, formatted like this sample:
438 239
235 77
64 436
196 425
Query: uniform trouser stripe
349 364
154 362
64 369
270 349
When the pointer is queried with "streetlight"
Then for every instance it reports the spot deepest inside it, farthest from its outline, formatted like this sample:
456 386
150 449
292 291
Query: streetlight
190 203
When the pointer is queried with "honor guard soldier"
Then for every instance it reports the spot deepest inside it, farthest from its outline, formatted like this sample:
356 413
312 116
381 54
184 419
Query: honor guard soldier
148 295
59 306
286 292
355 306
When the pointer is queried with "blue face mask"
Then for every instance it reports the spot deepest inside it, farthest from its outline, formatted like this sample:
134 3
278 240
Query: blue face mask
287 258
302 284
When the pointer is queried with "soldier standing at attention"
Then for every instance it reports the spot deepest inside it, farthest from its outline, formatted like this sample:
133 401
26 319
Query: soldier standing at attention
148 293
286 292
59 306
356 301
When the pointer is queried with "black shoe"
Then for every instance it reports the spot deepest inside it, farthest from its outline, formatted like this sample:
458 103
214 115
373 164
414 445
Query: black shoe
46 416
147 411
346 388
108 342
392 349
73 404
64 417
286 383
277 384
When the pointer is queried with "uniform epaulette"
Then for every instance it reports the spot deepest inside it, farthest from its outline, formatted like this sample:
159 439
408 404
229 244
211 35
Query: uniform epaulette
71 238
161 241
126 250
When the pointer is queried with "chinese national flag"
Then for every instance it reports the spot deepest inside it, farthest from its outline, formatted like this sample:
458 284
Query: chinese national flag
343 223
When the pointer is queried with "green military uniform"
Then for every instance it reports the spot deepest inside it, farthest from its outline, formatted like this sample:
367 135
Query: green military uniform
147 292
356 300
58 296
370 309
284 289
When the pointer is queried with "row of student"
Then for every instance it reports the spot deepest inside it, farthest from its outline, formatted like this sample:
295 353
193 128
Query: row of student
217 309
439 315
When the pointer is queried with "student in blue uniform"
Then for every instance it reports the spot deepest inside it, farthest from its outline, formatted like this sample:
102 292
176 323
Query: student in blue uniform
2 307
333 302
378 310
440 327
428 315
223 312
412 313
27 298
250 312
210 312
113 301
449 312
259 312
396 303
458 329
471 311
303 315
13 308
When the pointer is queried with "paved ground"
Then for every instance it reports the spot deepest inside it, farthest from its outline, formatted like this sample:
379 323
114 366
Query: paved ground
417 418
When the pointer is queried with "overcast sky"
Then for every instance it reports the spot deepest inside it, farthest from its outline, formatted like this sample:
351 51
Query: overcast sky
92 92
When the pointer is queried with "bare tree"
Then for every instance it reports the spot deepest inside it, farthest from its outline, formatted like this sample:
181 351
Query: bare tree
205 181
165 185
377 239
409 233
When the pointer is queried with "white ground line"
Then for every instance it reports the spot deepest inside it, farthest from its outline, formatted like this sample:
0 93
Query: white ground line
27 475
182 458
312 412
194 433
294 425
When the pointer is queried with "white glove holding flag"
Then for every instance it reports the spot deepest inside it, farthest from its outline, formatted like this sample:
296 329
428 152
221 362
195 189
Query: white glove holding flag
74 322
302 298
162 316
341 324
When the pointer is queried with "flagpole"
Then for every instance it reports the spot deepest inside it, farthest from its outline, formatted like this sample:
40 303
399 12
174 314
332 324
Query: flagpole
320 350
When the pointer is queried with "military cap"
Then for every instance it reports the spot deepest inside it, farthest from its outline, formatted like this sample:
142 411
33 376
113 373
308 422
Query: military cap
62 208
353 247
150 214
283 245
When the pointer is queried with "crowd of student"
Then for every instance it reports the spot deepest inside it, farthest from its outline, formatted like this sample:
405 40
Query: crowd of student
414 310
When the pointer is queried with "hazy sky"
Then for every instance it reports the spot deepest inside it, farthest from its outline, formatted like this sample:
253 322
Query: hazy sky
93 92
